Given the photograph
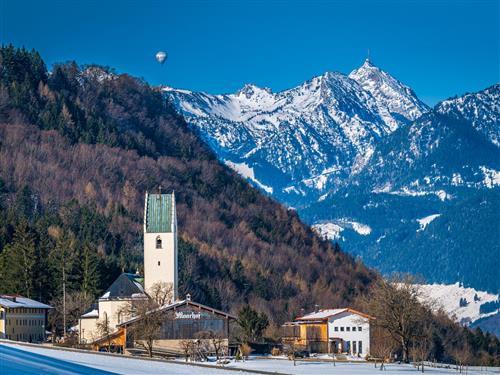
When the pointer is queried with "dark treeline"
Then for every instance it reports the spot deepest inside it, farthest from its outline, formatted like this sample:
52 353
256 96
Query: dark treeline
80 146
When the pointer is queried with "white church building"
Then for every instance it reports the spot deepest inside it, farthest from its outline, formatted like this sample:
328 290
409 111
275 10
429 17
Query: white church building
183 319
160 268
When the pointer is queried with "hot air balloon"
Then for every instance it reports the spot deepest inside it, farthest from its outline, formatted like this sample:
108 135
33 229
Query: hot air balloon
161 57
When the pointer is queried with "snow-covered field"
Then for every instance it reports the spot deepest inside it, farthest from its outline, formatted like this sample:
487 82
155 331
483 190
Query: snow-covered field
284 366
127 365
110 364
448 297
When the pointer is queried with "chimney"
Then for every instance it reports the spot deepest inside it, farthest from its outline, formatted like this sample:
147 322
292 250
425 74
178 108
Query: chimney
302 312
316 308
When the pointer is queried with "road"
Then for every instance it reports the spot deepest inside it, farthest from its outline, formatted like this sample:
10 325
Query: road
15 361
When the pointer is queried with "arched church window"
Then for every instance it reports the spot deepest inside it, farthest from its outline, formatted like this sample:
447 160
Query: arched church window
158 242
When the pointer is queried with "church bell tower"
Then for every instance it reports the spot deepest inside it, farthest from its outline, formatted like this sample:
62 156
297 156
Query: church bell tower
160 242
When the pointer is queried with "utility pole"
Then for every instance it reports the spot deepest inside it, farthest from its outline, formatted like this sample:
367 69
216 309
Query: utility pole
64 300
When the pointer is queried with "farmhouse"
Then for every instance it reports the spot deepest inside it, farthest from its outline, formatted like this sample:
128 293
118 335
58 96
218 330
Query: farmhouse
344 331
22 319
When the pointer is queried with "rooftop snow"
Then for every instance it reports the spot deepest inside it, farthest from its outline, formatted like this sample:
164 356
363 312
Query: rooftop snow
8 301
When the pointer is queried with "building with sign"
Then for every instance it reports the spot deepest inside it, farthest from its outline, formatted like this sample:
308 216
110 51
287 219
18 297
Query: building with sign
340 331
182 321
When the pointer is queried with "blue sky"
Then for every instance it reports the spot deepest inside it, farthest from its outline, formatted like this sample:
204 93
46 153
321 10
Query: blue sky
439 48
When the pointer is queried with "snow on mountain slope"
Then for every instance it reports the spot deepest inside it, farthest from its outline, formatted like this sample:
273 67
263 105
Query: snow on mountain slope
482 109
247 172
425 221
332 230
448 297
393 97
307 138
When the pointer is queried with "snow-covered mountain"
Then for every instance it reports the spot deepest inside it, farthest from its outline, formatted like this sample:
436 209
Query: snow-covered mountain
362 159
430 193
300 142
394 99
481 108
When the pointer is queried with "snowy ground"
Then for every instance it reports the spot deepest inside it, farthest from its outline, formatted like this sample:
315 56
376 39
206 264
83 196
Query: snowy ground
70 362
20 359
319 368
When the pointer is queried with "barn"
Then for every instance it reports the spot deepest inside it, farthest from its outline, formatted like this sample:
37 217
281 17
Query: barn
184 322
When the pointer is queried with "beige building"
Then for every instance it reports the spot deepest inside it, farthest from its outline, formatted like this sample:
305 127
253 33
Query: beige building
22 319
109 307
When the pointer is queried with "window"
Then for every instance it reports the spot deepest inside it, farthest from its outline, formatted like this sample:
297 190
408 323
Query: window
360 347
341 329
359 329
348 329
354 347
158 262
354 329
336 329
158 242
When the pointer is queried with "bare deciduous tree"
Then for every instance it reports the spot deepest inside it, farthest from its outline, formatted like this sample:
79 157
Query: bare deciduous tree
187 348
148 317
75 305
421 346
462 356
245 350
104 330
216 342
383 346
397 307
161 293
291 348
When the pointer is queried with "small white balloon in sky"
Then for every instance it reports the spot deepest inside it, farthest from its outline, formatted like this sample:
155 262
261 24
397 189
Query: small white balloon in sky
161 57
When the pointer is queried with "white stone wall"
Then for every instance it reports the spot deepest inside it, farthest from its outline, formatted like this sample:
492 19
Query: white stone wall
348 320
160 265
87 330
88 326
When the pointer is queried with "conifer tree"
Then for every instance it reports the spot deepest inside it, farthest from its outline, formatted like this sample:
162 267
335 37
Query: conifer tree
18 262
90 270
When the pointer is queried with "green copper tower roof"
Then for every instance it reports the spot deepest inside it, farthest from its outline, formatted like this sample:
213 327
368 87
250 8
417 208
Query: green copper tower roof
159 213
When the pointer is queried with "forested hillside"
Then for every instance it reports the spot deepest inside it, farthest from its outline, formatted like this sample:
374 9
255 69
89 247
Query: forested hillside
80 146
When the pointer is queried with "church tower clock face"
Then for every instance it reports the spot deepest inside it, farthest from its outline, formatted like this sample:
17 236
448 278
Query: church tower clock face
160 243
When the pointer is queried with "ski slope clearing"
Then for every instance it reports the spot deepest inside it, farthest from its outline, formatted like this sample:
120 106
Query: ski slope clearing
447 296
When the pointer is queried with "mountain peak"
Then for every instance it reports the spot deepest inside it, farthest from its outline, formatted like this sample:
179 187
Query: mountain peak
368 64
391 94
250 89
